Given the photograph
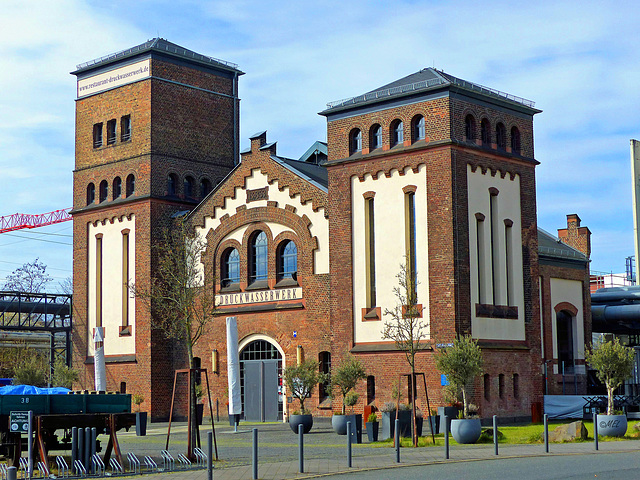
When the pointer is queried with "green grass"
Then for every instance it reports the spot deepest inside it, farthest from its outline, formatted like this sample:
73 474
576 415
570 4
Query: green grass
517 434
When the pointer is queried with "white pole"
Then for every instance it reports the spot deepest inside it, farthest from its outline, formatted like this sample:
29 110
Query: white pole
233 367
98 360
635 189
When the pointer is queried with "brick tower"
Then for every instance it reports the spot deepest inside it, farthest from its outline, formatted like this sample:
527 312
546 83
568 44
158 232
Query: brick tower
156 130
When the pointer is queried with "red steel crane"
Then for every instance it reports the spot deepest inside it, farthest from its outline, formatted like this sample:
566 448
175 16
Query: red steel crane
18 221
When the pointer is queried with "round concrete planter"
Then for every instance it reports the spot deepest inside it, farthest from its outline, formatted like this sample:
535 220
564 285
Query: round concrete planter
466 430
612 425
305 420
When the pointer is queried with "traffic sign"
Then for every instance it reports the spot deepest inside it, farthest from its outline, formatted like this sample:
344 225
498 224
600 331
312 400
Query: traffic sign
19 422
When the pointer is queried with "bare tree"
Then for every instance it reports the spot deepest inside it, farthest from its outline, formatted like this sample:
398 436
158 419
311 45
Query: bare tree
407 327
29 278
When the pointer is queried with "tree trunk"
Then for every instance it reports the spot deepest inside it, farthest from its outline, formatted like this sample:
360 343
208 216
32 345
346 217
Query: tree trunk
413 406
464 402
609 399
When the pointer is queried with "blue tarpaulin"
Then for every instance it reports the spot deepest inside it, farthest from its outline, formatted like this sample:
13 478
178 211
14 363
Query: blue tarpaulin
31 390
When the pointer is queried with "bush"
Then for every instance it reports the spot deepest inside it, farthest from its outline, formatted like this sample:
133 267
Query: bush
373 418
63 376
31 371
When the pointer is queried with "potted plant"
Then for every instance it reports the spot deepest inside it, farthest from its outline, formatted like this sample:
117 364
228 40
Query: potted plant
462 363
389 419
344 379
614 364
141 417
372 427
301 380
434 421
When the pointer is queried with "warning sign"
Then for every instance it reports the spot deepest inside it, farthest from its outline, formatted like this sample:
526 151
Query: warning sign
19 422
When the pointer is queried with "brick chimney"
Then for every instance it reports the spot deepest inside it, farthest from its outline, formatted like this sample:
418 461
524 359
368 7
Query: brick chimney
576 236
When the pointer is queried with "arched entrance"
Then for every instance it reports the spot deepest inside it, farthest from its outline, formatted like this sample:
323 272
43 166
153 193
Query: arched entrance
261 381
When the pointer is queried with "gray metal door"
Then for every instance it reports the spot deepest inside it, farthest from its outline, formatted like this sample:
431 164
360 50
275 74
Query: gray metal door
261 390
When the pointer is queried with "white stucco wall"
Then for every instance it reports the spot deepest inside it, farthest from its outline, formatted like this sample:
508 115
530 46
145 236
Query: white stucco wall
389 228
508 202
319 224
114 344
568 291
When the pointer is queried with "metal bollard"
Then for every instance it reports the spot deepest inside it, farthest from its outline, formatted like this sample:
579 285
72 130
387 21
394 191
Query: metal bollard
546 433
349 440
495 433
12 473
446 437
255 454
301 448
595 428
396 439
80 453
74 447
210 455
86 459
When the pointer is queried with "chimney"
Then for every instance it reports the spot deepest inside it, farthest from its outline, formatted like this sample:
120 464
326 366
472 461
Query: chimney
576 236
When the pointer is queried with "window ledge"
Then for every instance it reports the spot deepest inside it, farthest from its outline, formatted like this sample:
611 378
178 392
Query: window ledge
234 287
496 311
286 282
258 285
371 314
125 331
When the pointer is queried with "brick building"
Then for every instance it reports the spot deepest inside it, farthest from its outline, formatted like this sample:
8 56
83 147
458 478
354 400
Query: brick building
430 170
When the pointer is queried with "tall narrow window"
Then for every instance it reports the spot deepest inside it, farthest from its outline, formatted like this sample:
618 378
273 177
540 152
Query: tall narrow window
125 278
564 334
205 187
97 135
495 259
397 133
230 267
91 193
172 183
131 185
258 257
501 385
508 259
188 186
417 128
485 132
370 252
482 262
470 128
287 260
104 191
111 132
371 389
117 188
515 140
125 128
487 386
325 367
355 141
375 137
516 385
98 280
123 387
410 244
501 136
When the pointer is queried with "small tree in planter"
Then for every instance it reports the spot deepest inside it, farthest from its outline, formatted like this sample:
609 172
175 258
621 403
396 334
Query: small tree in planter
345 377
141 417
301 380
614 364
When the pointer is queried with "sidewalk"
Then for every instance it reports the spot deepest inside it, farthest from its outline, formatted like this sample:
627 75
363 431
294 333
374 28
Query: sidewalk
367 458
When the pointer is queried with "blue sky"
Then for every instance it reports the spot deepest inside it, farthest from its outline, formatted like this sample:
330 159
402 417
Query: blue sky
577 60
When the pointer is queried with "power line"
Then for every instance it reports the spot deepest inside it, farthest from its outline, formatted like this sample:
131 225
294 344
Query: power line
29 238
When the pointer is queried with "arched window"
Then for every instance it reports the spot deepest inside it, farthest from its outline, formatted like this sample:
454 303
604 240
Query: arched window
324 359
131 185
355 141
501 136
515 140
117 188
417 128
205 187
371 389
230 273
470 128
397 133
104 190
258 257
172 183
375 137
516 385
501 385
287 260
485 132
564 335
188 186
91 193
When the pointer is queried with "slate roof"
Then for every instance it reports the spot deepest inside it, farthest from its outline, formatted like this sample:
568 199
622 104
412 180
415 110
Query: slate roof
163 46
551 246
424 80
316 174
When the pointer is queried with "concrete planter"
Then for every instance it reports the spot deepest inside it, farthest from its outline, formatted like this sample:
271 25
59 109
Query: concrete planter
612 425
339 424
141 424
305 420
372 431
466 430
388 424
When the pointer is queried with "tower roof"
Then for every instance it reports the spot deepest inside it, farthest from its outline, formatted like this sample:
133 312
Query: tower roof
425 80
159 45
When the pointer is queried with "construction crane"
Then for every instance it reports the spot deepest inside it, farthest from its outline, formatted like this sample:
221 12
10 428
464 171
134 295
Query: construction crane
18 221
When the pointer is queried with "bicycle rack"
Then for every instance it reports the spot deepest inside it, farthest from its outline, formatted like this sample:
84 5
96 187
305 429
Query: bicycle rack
79 468
42 468
134 463
184 461
4 470
63 468
97 465
201 457
115 466
168 462
150 464
24 467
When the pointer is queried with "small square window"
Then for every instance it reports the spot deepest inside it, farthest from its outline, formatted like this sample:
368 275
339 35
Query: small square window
97 135
125 128
111 132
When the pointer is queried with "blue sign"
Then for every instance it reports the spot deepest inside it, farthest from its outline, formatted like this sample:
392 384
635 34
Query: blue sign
444 381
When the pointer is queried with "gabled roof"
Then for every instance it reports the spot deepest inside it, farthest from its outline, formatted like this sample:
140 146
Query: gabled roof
422 81
162 46
317 149
551 246
316 174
